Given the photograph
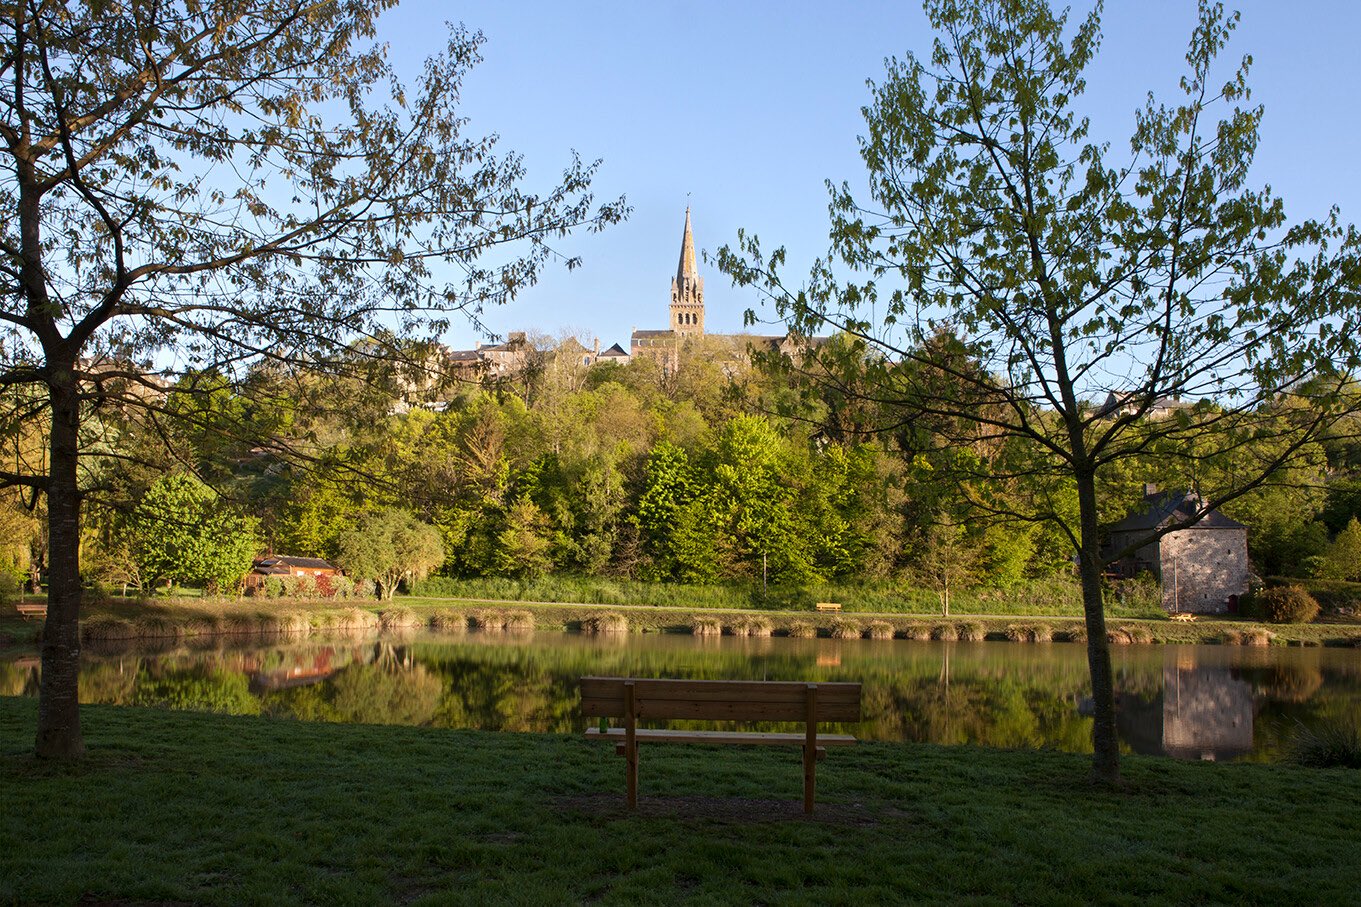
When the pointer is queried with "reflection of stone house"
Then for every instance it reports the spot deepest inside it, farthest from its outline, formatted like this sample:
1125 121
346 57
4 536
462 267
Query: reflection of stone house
1203 567
1203 712
283 565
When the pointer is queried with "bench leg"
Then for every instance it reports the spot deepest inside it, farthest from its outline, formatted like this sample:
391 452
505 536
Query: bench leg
810 749
631 773
630 746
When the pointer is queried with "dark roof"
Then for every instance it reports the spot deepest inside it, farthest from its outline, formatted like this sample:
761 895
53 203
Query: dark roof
465 356
641 334
1162 507
614 351
1115 402
313 563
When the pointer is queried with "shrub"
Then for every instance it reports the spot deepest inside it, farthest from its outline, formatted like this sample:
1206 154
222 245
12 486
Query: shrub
1330 746
1257 636
1019 633
751 626
1042 633
400 619
802 629
945 633
919 632
518 621
341 586
706 626
103 629
611 622
972 631
1076 633
879 630
1286 605
1138 634
357 619
300 587
449 621
845 629
272 587
9 587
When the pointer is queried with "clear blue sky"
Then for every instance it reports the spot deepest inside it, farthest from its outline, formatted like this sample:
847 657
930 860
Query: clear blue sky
742 110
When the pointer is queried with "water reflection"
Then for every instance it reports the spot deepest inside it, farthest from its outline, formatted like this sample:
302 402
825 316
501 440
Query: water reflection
1203 711
1185 701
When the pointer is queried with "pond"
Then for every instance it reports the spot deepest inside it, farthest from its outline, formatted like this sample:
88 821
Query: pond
1194 702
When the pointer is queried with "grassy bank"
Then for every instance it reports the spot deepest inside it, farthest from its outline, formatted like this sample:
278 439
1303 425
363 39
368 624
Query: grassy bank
1037 597
120 620
178 807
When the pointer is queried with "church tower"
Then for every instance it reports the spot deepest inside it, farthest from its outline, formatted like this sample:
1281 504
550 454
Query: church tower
687 290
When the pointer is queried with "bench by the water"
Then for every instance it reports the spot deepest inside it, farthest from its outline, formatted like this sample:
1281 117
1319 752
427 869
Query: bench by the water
828 606
629 699
27 610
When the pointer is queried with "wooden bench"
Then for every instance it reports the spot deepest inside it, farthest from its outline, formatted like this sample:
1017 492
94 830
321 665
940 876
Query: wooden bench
1183 617
630 700
27 610
828 606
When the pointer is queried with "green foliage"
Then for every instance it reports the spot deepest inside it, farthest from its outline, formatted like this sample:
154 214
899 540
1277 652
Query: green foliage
1284 605
183 532
1342 560
1334 745
389 546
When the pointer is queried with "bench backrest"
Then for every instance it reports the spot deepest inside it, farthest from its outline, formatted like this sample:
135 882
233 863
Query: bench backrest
719 700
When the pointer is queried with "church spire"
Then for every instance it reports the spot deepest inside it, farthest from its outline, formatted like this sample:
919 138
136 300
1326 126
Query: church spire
687 267
687 289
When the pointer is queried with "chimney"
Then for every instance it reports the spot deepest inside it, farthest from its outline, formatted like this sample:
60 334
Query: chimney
1150 489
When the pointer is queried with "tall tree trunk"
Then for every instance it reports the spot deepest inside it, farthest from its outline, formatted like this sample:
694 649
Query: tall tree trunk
59 735
1105 743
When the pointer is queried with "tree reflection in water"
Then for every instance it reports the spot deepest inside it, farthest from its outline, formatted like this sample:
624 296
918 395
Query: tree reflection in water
1186 701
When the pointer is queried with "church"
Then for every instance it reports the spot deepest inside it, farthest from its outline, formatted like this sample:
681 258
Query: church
686 326
687 320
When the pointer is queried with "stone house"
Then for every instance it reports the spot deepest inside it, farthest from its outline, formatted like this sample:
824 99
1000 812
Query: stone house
1203 568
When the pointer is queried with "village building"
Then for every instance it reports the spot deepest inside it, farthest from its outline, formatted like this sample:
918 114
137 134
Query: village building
1202 568
685 327
1126 404
281 566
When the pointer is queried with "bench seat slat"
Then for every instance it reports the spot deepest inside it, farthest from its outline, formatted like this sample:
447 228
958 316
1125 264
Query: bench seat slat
667 735
730 710
719 700
758 690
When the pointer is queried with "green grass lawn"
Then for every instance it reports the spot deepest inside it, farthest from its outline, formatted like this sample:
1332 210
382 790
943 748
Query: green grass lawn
174 807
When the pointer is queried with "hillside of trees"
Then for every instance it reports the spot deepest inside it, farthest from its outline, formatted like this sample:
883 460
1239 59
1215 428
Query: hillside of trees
725 471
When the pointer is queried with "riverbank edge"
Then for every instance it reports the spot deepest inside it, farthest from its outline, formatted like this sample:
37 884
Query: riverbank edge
172 619
181 807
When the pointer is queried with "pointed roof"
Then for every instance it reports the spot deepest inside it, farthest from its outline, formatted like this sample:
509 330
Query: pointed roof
687 267
1162 507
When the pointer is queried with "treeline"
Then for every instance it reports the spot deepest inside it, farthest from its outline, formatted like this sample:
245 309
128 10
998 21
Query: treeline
718 472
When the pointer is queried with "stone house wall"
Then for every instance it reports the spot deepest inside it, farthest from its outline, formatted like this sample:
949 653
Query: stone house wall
1202 568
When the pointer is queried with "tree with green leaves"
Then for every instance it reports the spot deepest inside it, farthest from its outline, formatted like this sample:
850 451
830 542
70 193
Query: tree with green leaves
1342 560
183 532
220 185
1073 275
390 546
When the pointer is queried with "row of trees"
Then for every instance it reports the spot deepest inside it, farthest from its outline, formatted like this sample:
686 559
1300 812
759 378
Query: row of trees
724 471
